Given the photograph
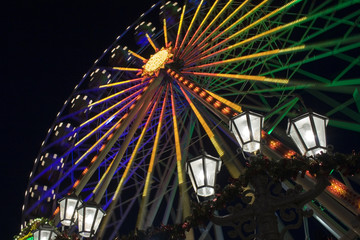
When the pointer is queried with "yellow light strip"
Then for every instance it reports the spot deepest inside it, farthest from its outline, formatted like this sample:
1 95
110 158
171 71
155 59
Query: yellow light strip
115 95
177 139
127 69
191 24
102 124
99 183
247 57
137 55
155 146
241 19
122 82
133 155
165 32
261 19
187 47
225 101
98 141
241 77
151 42
268 32
204 125
298 21
112 107
180 26
212 22
225 21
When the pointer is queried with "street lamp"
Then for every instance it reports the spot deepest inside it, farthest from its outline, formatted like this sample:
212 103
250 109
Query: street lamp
68 206
308 133
45 232
247 130
202 171
89 218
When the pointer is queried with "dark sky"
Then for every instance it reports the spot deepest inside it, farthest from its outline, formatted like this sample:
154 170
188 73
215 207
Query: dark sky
50 45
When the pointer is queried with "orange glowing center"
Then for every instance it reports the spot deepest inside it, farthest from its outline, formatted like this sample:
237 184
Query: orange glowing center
157 61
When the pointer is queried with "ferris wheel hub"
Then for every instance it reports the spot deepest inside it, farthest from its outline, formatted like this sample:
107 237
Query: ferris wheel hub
157 61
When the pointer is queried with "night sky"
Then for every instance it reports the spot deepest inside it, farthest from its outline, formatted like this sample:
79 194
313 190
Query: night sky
50 45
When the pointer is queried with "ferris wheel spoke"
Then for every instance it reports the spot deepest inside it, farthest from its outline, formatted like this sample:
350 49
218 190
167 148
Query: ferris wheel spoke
204 44
246 41
182 184
188 45
180 27
204 125
108 175
123 82
177 139
151 42
178 51
206 29
248 57
241 19
131 98
240 77
320 56
146 194
165 32
245 70
143 84
100 126
271 31
138 56
118 129
126 212
125 175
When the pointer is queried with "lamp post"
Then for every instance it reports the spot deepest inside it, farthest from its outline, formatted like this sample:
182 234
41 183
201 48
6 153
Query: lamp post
45 232
68 206
260 213
202 171
89 218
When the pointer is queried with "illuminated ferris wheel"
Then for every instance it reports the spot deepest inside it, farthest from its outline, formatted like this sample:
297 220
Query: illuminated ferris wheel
166 90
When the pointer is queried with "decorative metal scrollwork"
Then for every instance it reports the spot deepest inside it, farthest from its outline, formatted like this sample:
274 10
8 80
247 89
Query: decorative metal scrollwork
256 216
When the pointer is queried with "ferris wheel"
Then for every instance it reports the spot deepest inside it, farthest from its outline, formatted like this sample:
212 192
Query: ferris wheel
167 88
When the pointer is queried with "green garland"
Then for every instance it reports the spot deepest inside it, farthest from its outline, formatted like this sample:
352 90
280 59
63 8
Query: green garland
34 224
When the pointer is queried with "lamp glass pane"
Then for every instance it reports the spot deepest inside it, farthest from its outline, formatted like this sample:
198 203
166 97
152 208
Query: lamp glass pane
89 218
206 191
53 236
98 219
233 129
320 129
62 209
192 181
198 170
255 127
71 208
44 235
295 137
81 219
306 132
210 171
36 235
243 128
